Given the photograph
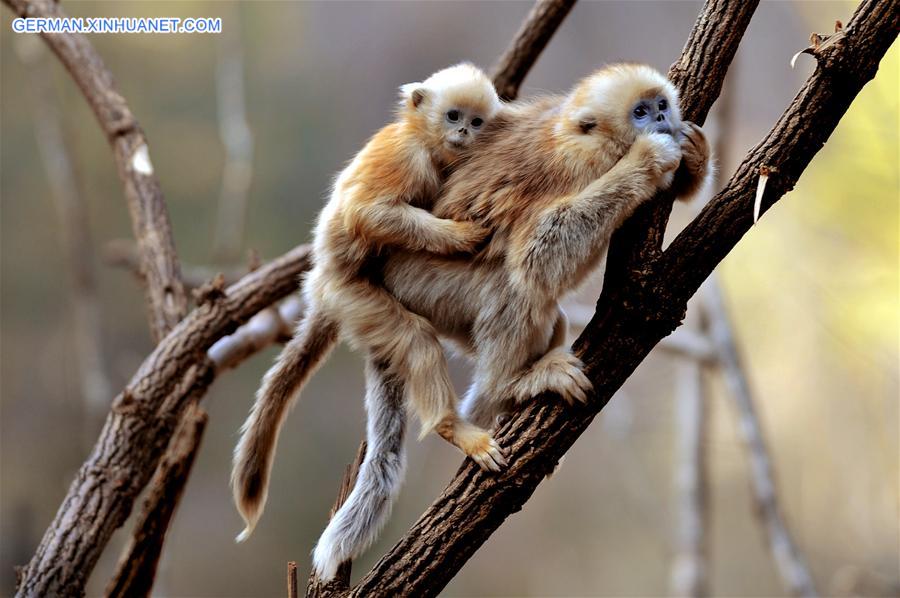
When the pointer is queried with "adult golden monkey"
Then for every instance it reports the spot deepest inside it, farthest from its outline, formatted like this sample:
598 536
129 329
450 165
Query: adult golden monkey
553 178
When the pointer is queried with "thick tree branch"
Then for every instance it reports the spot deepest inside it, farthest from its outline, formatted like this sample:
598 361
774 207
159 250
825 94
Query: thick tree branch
142 421
787 150
699 75
475 503
166 299
533 36
137 568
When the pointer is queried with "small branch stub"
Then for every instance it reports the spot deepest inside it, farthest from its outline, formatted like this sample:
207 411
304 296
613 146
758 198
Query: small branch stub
764 172
292 579
210 291
316 588
819 43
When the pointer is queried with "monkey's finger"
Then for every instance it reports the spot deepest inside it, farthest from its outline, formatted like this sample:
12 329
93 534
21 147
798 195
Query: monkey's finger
688 137
688 124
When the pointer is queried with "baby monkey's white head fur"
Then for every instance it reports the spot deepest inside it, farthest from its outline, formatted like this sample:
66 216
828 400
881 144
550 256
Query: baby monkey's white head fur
450 108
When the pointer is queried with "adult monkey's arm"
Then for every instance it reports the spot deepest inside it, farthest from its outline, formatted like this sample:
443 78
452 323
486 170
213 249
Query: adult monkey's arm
650 302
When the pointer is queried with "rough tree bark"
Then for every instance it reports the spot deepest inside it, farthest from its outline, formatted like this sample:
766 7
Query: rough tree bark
137 569
650 303
166 299
142 421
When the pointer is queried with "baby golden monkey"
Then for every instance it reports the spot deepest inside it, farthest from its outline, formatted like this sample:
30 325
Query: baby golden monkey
379 203
553 178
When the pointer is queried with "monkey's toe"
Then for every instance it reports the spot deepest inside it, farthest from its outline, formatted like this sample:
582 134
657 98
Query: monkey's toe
491 458
484 450
558 371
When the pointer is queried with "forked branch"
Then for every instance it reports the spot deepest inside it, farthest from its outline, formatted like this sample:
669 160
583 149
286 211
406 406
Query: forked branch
140 425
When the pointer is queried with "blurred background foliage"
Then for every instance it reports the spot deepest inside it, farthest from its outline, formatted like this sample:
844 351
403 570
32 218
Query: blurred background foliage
813 291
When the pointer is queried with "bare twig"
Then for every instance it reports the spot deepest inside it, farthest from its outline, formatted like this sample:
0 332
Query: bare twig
142 421
122 253
292 584
166 299
651 302
533 36
787 557
72 213
341 582
137 566
272 325
690 570
237 139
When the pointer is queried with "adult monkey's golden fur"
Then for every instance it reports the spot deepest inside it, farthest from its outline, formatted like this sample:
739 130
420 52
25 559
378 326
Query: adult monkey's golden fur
553 178
378 204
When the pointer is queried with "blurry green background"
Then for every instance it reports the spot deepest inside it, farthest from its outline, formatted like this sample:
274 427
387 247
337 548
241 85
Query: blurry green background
813 291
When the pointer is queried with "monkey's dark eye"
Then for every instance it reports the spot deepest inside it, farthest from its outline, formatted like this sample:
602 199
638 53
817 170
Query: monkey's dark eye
477 122
640 112
663 104
453 115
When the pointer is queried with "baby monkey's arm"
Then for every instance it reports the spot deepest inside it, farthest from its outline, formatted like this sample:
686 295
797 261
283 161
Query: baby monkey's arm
390 222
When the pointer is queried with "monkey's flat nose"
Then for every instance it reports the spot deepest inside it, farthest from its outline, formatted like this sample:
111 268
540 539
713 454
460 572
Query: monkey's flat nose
463 131
660 117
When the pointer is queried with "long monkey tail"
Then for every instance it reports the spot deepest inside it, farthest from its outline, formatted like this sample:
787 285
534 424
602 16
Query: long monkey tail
314 339
359 520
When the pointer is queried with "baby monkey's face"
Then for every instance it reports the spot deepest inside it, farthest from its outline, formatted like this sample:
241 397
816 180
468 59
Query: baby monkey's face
461 125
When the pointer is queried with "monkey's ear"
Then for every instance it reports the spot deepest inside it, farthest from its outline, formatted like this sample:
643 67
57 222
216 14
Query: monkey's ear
585 119
414 93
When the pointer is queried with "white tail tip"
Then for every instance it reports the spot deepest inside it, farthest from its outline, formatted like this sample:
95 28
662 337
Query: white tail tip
243 535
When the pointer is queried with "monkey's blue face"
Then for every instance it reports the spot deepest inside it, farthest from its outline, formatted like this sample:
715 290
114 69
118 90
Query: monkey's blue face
461 126
653 115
